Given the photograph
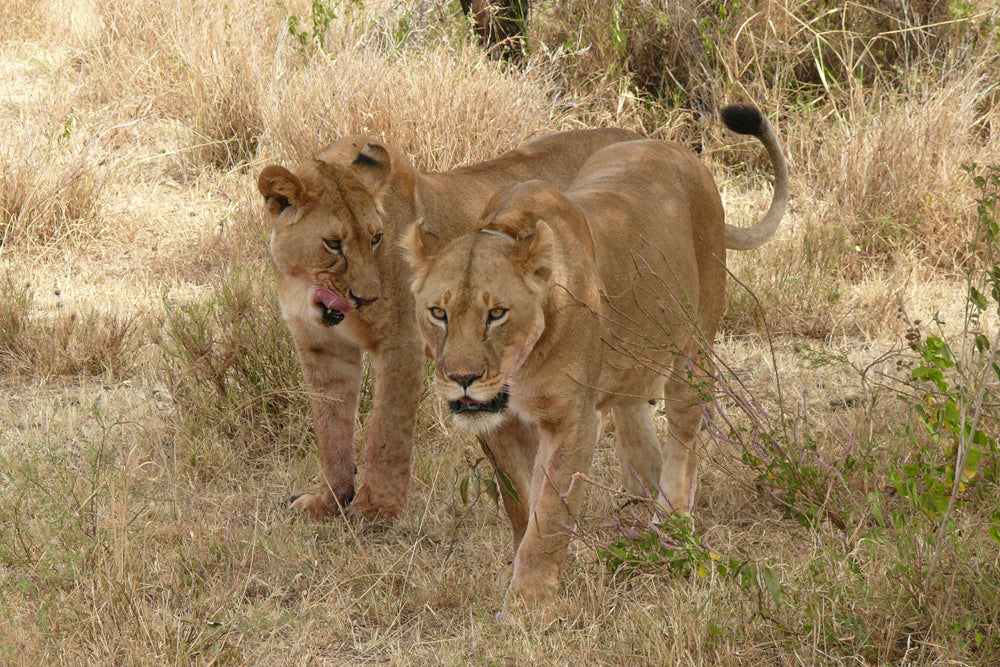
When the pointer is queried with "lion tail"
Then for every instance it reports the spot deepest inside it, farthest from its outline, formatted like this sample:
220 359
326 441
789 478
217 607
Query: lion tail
747 119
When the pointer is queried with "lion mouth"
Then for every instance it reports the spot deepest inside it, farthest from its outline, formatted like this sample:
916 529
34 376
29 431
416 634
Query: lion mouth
467 404
333 307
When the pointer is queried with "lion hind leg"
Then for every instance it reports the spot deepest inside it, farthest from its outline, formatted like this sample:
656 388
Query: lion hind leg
682 404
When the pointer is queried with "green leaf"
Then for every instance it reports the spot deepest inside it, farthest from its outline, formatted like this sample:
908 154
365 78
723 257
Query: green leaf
974 453
977 299
483 446
772 583
939 502
951 416
508 485
937 352
876 506
463 490
926 374
490 486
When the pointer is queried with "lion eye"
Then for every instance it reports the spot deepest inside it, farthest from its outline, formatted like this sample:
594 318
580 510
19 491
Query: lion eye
439 314
376 240
334 246
496 315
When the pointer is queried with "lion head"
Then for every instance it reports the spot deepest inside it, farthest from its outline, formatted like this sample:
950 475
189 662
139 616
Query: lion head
327 226
480 307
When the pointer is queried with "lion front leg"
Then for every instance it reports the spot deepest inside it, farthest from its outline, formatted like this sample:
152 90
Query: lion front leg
512 449
332 374
638 447
398 385
563 450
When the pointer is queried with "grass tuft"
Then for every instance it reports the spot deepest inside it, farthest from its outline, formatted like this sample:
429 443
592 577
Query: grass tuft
85 342
231 367
48 196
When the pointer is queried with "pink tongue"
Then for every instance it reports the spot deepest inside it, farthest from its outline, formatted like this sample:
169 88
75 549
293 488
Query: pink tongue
331 300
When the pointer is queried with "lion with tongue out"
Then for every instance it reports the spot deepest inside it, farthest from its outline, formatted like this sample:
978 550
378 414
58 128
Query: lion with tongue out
343 285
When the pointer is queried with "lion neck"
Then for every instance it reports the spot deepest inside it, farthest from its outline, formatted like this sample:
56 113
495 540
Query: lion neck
571 307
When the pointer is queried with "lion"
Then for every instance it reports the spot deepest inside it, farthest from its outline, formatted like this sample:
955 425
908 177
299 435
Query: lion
343 287
562 306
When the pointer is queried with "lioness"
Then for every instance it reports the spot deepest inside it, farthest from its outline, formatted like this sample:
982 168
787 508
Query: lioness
561 306
343 285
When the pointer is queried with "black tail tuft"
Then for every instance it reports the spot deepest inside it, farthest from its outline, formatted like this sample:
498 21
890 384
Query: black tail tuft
743 118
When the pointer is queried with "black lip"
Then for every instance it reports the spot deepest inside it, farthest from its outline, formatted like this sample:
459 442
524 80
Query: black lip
494 405
358 302
331 318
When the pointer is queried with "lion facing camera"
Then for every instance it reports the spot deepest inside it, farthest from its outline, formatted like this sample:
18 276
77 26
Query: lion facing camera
560 306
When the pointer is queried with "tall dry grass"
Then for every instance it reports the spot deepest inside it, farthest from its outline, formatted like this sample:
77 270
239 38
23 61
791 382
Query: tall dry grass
152 424
48 196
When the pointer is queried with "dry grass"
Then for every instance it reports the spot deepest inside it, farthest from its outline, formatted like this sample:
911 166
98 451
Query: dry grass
47 199
152 424
79 342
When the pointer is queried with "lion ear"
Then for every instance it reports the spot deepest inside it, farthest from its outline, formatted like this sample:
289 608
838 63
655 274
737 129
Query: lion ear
372 165
418 253
517 210
536 252
281 189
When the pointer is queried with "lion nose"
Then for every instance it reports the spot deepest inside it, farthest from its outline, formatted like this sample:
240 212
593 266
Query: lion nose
465 379
360 301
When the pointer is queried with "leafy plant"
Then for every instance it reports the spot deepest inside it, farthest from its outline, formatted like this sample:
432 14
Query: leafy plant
63 137
489 480
927 481
320 18
783 455
671 545
957 380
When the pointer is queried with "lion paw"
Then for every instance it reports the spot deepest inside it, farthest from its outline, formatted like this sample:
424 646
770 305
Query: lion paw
315 507
520 614
368 508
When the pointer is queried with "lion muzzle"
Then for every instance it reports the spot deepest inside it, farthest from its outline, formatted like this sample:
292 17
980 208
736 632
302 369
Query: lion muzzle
333 307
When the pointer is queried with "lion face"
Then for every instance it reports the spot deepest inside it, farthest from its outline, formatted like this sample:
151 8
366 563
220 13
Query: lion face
480 310
326 232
